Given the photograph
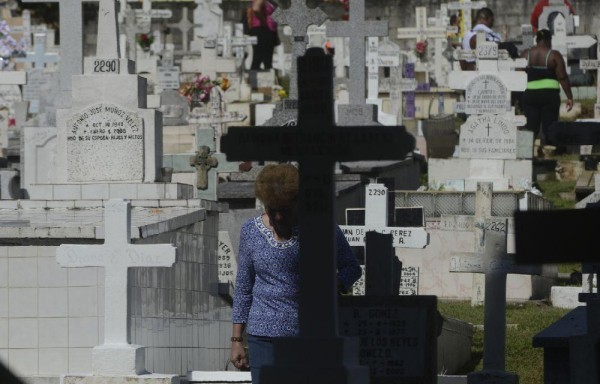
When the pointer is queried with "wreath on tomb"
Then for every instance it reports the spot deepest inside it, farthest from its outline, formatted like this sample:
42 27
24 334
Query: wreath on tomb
198 91
145 41
421 49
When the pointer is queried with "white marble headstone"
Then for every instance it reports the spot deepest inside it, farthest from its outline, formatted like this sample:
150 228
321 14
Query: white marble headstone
488 137
105 142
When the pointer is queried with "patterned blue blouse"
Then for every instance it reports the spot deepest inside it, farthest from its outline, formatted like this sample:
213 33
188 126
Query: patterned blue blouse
267 283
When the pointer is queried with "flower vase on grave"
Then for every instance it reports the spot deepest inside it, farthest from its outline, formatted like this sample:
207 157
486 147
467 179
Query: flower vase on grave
145 41
421 51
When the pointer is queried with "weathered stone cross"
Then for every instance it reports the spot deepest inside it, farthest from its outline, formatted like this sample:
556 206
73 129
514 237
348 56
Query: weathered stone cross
39 58
316 143
117 255
357 29
298 16
491 258
184 26
203 162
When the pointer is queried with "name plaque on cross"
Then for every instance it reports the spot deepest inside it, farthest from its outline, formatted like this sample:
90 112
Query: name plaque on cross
376 198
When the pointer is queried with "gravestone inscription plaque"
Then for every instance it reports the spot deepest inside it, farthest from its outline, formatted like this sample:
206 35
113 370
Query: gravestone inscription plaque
487 94
488 137
397 336
107 139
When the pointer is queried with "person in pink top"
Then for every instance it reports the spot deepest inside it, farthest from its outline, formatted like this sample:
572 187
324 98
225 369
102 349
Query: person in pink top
261 24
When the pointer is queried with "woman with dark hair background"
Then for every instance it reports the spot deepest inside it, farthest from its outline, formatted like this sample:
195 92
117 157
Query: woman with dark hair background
546 73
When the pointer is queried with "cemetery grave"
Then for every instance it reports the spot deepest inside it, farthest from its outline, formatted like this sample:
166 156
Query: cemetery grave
100 153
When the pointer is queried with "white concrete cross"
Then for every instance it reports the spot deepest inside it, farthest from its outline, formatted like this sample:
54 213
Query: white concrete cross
71 44
386 55
562 42
493 74
372 68
208 19
422 32
39 58
298 17
144 16
594 65
184 26
235 42
441 65
376 219
217 117
399 85
116 256
208 64
357 28
491 259
465 7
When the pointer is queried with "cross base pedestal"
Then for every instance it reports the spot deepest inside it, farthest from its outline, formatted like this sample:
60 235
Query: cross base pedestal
357 114
492 377
119 360
317 361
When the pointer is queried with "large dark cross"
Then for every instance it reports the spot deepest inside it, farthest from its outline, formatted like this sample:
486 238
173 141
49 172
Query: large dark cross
316 143
568 236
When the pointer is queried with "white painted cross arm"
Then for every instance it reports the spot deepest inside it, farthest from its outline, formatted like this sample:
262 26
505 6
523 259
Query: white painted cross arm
580 41
474 263
403 237
493 260
117 250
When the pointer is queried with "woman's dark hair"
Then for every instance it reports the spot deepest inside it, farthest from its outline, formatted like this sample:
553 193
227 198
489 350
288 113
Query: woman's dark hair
453 19
543 35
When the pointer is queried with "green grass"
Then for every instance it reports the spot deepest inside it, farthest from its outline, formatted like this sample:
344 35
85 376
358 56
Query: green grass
530 318
552 189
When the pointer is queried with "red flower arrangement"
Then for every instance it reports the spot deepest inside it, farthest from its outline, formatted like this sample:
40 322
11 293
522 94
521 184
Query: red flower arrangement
421 49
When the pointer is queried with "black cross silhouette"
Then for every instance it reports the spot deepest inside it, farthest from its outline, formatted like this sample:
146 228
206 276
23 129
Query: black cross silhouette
316 143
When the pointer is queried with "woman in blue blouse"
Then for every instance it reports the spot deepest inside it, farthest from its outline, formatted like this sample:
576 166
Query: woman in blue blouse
265 302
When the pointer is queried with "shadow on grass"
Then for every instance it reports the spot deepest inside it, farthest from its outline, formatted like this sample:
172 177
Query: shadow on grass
472 364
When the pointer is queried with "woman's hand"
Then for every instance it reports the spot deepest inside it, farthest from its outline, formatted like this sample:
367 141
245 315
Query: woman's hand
569 104
238 356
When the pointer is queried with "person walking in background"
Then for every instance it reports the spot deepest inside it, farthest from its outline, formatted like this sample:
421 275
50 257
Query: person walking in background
454 37
265 300
546 73
484 21
539 8
260 24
